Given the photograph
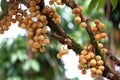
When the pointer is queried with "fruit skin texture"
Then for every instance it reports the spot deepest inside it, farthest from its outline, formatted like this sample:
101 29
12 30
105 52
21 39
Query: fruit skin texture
77 19
83 24
93 62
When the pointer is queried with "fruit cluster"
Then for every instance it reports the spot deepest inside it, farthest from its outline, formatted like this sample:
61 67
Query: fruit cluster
59 2
77 11
97 29
36 23
14 14
52 13
61 53
88 60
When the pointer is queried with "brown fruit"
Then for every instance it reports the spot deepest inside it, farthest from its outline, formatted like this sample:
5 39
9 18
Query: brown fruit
102 68
92 55
100 45
87 57
104 50
83 24
98 72
98 57
103 35
101 25
93 70
94 29
93 62
97 37
84 52
96 21
83 71
100 62
77 19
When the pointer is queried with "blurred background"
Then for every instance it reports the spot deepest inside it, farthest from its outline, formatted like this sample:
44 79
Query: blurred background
17 62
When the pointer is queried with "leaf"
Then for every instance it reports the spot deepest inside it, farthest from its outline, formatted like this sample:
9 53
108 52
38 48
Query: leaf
101 3
34 65
114 3
4 7
92 5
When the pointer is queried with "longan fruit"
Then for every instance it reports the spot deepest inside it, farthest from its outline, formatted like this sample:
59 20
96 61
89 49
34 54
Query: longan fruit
100 45
92 55
93 62
36 45
80 67
37 7
101 25
42 49
75 10
83 71
103 35
100 62
98 72
102 68
96 21
93 75
93 70
59 56
87 57
31 9
81 57
34 50
97 37
77 19
57 21
83 61
98 57
84 52
64 51
104 50
83 24
94 29
23 25
32 3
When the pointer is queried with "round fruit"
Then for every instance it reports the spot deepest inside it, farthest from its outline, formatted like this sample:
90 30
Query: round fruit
96 21
98 57
77 19
83 24
98 72
104 50
93 70
102 68
93 62
84 52
83 71
97 37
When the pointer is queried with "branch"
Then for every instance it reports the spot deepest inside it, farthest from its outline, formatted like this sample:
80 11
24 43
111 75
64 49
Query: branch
65 39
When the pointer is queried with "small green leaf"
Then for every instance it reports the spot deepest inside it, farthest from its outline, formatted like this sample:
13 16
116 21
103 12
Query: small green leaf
4 7
114 3
34 65
101 3
92 5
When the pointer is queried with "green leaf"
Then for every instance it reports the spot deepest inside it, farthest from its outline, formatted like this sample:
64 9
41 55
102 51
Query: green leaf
101 3
114 3
4 7
92 5
34 65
